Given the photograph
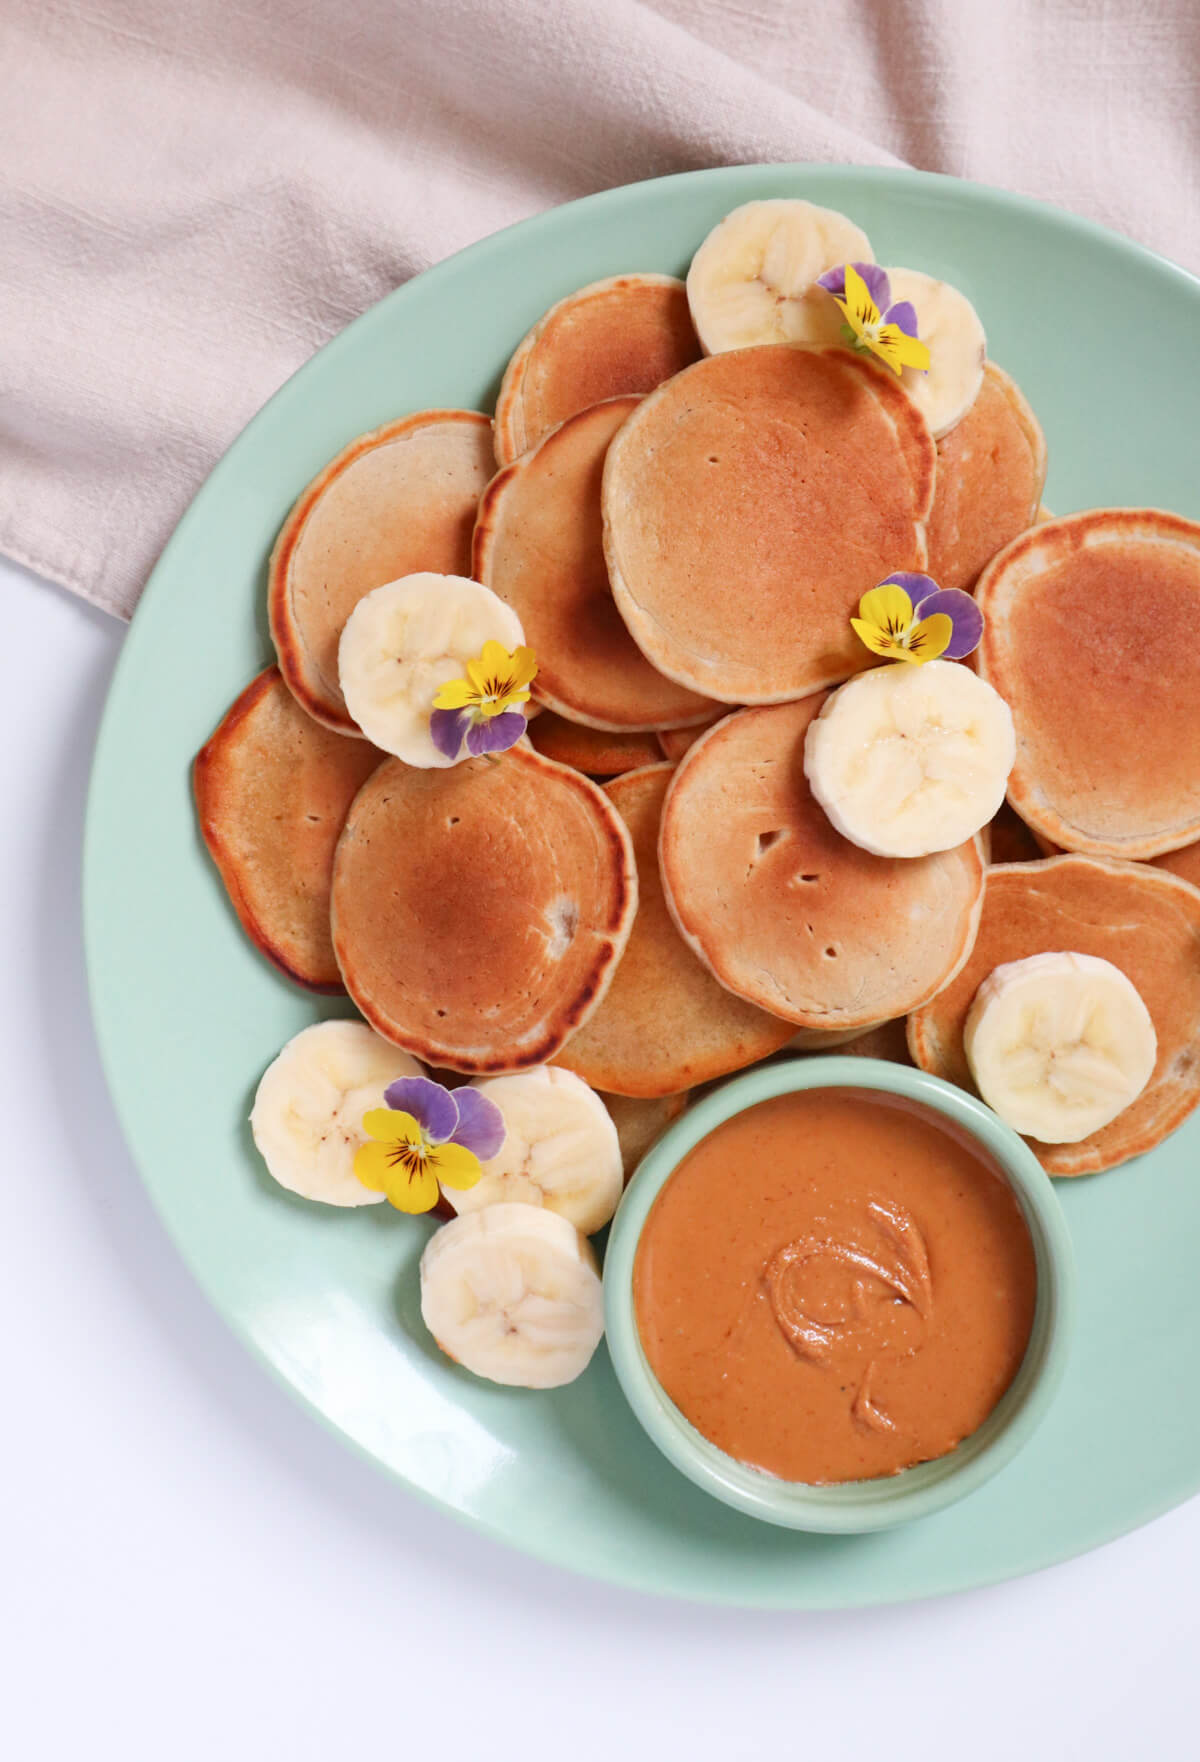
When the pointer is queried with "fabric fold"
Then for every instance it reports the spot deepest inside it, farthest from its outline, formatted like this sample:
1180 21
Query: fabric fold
193 200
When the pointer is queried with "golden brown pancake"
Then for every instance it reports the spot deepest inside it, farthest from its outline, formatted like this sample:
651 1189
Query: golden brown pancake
676 741
479 912
1090 634
1184 863
394 502
272 791
625 334
749 503
640 1123
787 912
665 1024
593 750
991 469
1007 839
539 544
1143 921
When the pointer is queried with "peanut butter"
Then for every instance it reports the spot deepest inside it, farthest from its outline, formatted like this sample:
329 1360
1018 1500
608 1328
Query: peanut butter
835 1285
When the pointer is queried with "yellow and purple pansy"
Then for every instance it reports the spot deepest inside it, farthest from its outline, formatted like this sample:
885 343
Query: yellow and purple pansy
484 709
876 323
909 617
425 1137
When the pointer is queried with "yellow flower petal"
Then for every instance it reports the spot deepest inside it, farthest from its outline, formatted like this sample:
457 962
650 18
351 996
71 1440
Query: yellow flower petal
524 667
491 668
455 1165
860 309
897 350
889 607
878 641
511 701
881 353
456 694
930 637
909 351
416 1192
373 1167
391 1126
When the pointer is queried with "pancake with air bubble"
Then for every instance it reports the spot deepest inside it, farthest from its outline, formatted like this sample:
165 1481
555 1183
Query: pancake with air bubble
665 1024
479 912
785 911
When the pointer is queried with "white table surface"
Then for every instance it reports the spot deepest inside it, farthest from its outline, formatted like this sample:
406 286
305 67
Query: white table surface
194 1569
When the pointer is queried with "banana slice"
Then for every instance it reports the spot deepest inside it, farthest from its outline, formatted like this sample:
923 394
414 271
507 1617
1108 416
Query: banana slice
307 1113
950 325
405 639
512 1293
907 760
752 280
1059 1044
560 1150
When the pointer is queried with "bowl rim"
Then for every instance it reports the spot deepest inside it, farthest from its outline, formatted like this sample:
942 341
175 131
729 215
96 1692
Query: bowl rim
848 1507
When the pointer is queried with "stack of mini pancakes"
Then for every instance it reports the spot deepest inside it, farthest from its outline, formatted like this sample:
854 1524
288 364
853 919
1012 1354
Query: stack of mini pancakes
683 493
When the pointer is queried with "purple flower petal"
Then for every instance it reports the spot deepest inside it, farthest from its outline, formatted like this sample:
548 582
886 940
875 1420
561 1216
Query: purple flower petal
917 587
480 1123
963 613
903 314
446 730
878 286
497 735
434 1108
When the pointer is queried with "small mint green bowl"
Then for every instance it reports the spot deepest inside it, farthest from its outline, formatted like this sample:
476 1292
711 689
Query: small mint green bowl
849 1506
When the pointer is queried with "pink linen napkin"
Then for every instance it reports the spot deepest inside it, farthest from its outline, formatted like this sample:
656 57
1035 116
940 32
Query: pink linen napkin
194 198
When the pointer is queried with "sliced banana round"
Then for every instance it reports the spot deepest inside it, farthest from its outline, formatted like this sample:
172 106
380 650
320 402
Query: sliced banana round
308 1110
1059 1044
907 760
512 1293
560 1149
951 328
753 279
404 640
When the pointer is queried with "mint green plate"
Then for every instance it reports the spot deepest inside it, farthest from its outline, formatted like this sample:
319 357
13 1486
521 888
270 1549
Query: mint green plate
1097 333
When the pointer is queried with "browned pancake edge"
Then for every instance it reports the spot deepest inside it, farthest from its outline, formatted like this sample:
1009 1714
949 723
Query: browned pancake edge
287 632
615 368
1141 918
221 809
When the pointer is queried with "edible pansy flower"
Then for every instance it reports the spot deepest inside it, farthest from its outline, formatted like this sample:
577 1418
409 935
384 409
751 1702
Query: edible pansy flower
484 709
909 617
426 1137
874 321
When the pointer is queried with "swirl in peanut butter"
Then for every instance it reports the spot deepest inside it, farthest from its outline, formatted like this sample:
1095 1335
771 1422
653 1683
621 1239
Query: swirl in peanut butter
834 1299
835 1285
